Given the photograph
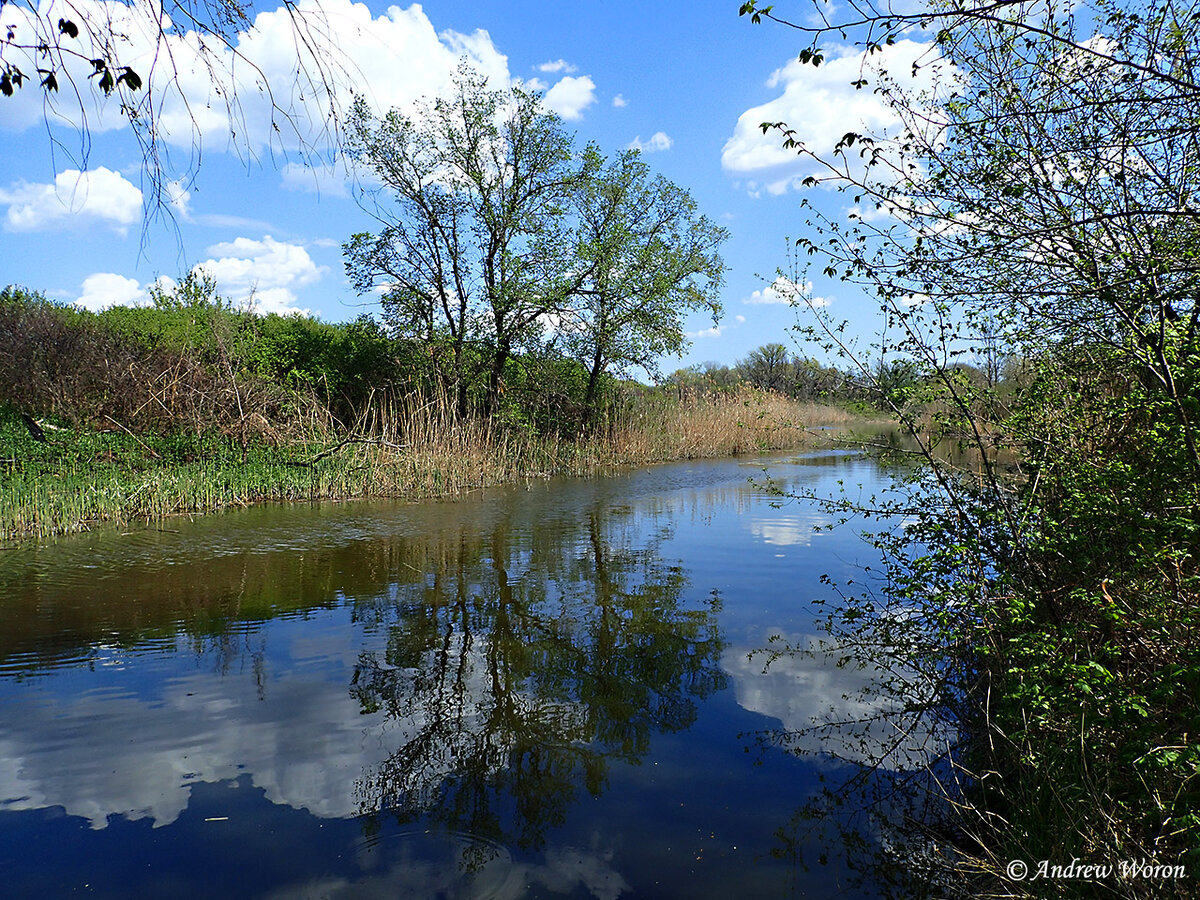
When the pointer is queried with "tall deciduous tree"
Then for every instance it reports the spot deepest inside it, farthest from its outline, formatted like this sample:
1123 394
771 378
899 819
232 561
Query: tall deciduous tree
477 190
767 367
648 258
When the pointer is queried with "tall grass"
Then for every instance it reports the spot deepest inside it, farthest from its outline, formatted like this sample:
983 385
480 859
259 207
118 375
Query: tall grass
406 448
440 453
664 428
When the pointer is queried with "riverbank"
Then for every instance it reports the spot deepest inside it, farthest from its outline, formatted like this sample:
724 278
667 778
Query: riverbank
1062 645
77 477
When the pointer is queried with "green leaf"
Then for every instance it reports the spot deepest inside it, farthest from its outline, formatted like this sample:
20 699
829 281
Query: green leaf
132 80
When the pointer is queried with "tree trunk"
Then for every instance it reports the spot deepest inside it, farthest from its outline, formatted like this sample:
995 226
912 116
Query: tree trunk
589 399
496 381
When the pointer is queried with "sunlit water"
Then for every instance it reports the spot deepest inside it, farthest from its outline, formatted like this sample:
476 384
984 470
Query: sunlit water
539 691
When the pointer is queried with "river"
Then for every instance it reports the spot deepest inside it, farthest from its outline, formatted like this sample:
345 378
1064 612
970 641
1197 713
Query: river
545 690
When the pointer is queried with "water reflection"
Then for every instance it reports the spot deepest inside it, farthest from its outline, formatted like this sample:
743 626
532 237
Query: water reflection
539 690
787 530
526 671
417 865
827 702
116 750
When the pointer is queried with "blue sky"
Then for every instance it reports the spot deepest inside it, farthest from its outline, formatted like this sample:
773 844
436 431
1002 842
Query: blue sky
689 83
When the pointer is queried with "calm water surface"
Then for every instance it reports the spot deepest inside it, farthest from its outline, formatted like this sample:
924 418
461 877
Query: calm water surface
541 691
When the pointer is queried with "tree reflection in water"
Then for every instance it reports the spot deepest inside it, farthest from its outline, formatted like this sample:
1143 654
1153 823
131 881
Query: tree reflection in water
530 689
521 667
888 747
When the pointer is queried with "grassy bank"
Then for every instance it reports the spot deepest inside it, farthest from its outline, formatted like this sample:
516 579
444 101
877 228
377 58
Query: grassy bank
1045 588
80 476
191 405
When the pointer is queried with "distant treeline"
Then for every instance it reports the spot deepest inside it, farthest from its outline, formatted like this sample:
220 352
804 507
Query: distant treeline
894 383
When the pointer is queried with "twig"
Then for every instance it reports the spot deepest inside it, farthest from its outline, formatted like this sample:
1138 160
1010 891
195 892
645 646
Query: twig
132 435
350 440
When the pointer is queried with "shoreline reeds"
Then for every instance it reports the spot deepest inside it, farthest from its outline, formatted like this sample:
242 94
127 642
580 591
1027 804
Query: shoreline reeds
411 449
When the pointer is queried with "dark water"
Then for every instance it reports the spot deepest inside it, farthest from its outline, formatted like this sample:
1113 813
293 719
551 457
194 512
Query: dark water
542 691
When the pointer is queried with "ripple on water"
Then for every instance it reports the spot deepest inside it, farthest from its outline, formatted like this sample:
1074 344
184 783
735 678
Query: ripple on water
45 659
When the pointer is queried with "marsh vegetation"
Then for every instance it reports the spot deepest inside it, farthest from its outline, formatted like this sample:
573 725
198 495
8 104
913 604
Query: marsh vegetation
192 406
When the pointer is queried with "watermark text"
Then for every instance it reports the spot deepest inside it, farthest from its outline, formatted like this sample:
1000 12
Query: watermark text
1080 870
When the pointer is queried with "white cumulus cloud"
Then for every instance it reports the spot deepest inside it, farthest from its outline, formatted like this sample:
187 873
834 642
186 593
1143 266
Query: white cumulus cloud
784 291
619 101
820 104
772 293
395 59
571 96
657 141
75 200
101 290
105 289
558 65
715 330
264 274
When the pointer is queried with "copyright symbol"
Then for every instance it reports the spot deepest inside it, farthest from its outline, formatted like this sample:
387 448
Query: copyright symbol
1017 870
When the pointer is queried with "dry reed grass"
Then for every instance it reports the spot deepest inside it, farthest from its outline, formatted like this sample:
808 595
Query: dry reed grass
747 421
442 455
411 449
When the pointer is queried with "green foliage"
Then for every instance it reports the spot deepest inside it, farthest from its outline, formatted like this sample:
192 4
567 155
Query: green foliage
767 368
342 364
1038 290
499 236
896 382
647 259
545 394
191 318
